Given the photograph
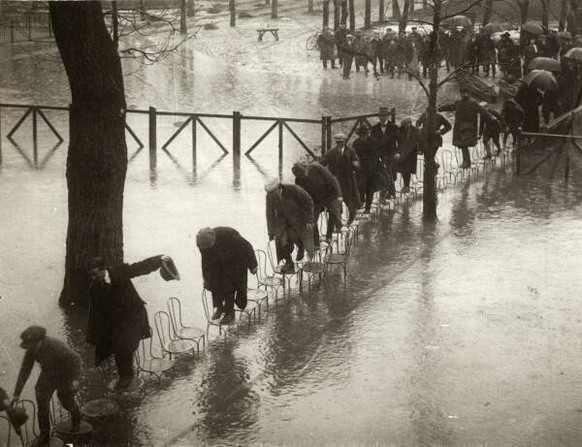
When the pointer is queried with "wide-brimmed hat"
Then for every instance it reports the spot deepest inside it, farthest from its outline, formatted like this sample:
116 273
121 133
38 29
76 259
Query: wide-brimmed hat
32 334
340 136
168 271
205 238
272 184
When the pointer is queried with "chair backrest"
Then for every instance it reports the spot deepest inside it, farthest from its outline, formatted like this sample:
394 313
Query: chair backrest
145 350
262 259
420 168
175 312
29 429
5 431
272 258
207 304
164 327
446 159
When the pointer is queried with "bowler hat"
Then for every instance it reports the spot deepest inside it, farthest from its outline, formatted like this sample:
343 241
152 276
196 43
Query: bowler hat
32 334
168 271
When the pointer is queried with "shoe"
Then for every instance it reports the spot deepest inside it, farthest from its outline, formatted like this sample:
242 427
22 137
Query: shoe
41 441
300 254
405 190
466 166
328 239
228 318
216 315
123 384
288 268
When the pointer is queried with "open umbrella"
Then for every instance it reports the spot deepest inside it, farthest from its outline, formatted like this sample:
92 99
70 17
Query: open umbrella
574 53
542 79
463 21
544 63
494 27
533 28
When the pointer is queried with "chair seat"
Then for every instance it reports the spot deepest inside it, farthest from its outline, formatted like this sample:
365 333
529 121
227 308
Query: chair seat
272 281
313 267
257 295
157 365
192 333
179 346
251 306
336 258
136 384
100 408
64 428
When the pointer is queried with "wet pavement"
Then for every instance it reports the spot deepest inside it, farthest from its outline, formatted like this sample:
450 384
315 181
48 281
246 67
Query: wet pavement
464 332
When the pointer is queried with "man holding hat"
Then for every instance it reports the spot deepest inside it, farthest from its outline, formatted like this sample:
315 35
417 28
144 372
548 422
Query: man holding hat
60 372
342 161
226 257
325 191
117 316
386 135
289 221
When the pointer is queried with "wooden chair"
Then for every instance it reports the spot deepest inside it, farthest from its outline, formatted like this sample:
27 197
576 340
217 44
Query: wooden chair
147 360
169 340
193 333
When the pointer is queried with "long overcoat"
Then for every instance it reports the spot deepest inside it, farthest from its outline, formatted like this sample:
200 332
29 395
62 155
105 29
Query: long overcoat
323 187
117 314
288 216
409 144
529 99
371 165
226 263
466 127
326 45
342 166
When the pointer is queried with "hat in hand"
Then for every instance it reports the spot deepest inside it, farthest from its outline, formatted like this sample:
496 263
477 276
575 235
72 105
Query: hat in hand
168 271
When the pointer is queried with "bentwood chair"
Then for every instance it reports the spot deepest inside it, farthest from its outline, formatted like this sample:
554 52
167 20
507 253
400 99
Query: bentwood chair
6 432
277 269
208 310
266 279
313 267
184 332
169 340
148 361
340 252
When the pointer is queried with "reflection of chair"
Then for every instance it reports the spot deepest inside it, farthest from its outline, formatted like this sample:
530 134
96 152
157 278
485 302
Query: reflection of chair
185 332
340 252
171 343
316 266
208 309
264 279
149 362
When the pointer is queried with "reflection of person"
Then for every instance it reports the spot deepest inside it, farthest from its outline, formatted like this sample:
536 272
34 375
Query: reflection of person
342 161
465 130
226 256
117 315
60 372
325 191
289 220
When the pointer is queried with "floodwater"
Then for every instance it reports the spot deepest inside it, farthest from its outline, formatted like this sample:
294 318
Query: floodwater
464 332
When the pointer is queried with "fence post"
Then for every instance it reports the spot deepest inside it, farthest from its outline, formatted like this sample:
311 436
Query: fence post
153 141
323 135
194 148
35 136
567 169
280 149
0 136
236 128
328 132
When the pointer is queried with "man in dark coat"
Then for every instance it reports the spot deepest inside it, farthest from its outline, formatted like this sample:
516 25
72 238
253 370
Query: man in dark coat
339 38
490 131
530 52
409 145
117 316
226 257
513 116
60 372
386 135
529 98
289 221
326 45
325 191
466 130
509 56
348 51
342 161
372 175
442 127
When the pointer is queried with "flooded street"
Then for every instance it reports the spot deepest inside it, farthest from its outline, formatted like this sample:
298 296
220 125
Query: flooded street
463 332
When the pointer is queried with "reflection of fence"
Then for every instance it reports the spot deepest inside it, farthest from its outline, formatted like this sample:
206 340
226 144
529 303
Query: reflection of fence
195 123
25 26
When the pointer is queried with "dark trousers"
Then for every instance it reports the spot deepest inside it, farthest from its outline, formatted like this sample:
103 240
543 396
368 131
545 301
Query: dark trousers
223 301
332 224
124 361
45 387
367 192
466 155
284 251
406 178
487 142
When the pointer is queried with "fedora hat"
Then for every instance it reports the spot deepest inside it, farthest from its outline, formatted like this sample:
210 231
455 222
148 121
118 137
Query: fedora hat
168 271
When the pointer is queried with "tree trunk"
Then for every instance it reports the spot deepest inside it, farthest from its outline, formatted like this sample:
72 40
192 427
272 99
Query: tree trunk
309 5
563 15
232 9
430 196
368 14
274 14
336 15
325 14
115 23
191 8
183 26
545 14
395 9
344 9
487 10
352 16
97 155
524 10
404 17
381 13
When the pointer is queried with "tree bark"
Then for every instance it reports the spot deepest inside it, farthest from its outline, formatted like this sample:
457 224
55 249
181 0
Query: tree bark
325 14
352 15
191 8
309 5
115 23
232 9
563 15
336 15
381 13
344 9
395 9
183 26
368 14
404 17
97 155
545 14
274 13
488 9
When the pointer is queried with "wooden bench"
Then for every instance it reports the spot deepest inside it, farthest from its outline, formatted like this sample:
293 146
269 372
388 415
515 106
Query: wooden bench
273 31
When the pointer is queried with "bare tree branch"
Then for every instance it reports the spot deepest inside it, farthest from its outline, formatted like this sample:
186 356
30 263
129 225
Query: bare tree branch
462 11
416 75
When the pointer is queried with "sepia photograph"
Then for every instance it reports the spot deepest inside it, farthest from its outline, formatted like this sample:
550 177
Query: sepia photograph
290 223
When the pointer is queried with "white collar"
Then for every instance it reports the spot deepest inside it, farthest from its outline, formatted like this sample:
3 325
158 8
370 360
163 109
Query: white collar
107 278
